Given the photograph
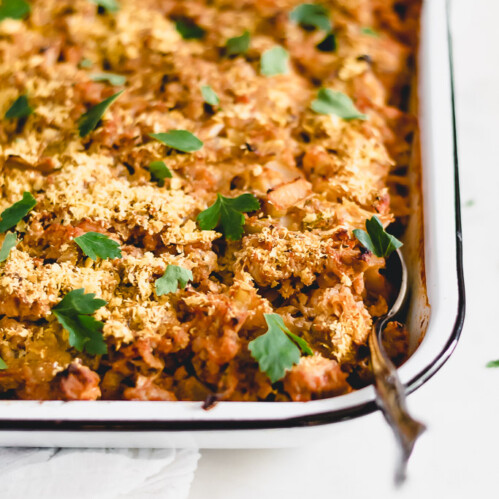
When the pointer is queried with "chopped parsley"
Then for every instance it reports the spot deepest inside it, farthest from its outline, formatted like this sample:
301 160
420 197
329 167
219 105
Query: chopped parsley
85 63
331 102
278 350
8 243
111 78
329 43
88 121
95 244
369 31
109 5
238 44
74 313
311 15
19 109
274 61
228 214
174 277
15 213
209 95
159 171
14 9
181 140
189 30
376 239
3 365
493 363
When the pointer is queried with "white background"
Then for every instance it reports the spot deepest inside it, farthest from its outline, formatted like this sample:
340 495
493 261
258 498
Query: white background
458 456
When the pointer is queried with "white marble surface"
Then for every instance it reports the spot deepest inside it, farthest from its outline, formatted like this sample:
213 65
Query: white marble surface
457 457
96 473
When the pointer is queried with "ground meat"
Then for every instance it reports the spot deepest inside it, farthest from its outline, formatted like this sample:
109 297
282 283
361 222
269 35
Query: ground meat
80 383
315 377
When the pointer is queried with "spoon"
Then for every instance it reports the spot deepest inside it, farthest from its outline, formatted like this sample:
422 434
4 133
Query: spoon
390 392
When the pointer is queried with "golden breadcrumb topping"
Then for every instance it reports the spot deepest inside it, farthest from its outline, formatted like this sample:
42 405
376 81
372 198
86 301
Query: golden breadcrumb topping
317 177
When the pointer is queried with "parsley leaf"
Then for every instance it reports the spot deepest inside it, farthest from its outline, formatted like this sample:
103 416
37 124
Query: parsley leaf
3 365
376 239
493 363
329 43
331 102
228 212
369 31
304 346
73 312
89 120
14 9
238 44
8 243
278 350
85 63
95 244
189 30
111 78
209 96
109 5
159 171
15 213
311 15
274 61
173 278
19 109
181 140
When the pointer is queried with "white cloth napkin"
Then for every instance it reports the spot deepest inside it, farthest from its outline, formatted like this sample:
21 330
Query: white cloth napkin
96 473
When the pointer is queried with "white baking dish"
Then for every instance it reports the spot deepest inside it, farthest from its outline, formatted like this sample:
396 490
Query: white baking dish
259 424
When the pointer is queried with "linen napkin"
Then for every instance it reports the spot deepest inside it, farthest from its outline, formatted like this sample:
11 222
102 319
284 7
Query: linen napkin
54 473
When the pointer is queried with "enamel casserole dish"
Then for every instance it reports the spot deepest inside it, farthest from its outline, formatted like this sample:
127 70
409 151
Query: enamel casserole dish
432 249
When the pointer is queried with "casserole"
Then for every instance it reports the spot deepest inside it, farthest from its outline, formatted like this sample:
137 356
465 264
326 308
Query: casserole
260 424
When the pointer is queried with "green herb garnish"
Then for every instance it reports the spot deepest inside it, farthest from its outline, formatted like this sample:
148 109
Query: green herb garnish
209 96
278 350
95 244
19 109
85 63
493 363
238 44
310 15
3 365
181 140
331 102
111 78
228 213
376 239
369 31
174 277
74 314
109 5
8 243
89 120
15 213
189 30
329 43
14 9
274 61
159 171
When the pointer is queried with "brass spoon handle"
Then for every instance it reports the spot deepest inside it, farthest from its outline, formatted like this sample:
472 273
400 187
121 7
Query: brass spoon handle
390 397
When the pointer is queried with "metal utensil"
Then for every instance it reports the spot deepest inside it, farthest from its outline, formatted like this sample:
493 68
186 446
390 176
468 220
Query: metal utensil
390 392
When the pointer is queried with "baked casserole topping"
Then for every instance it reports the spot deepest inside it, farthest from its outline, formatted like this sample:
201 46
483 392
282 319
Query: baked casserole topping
180 186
